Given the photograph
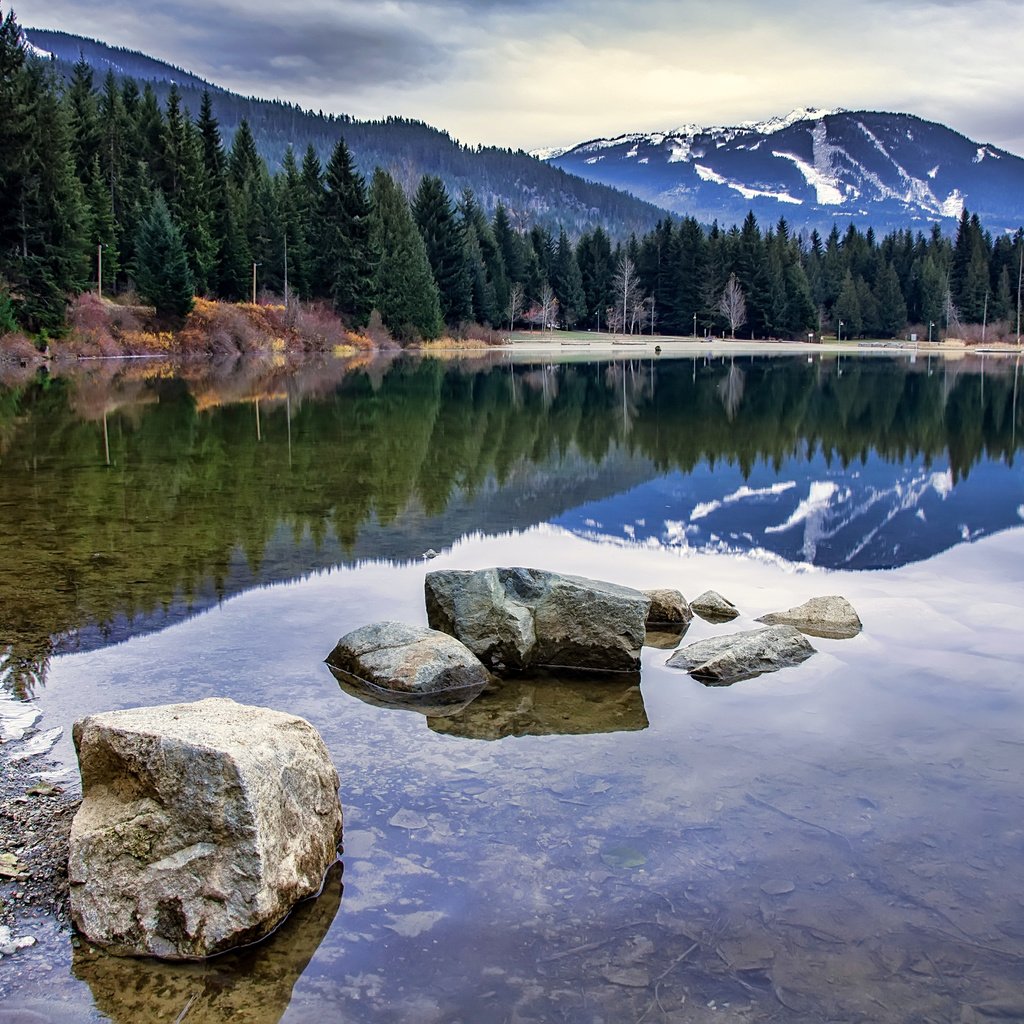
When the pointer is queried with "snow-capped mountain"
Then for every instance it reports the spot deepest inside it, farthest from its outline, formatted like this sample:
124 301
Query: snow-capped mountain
873 515
813 167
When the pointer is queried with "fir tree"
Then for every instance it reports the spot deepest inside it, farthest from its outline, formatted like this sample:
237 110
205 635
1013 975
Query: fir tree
52 261
83 119
892 307
567 283
442 235
345 257
848 317
404 290
162 273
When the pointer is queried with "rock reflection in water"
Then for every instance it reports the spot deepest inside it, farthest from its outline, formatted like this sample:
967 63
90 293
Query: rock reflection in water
666 636
254 985
545 704
438 704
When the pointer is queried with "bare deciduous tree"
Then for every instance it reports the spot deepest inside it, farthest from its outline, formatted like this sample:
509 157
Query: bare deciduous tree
516 302
954 325
733 306
545 311
629 300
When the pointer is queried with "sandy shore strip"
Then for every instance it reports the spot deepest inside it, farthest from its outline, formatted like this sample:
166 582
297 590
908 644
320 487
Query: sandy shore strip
606 346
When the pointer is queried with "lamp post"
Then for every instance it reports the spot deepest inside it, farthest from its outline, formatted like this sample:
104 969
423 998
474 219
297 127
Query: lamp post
931 324
839 336
694 326
254 266
99 270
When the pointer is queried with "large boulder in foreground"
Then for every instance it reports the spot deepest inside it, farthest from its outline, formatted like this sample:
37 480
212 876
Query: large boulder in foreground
526 618
201 826
722 660
832 617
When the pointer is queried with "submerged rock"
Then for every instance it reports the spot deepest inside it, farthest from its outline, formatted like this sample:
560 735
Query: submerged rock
525 618
405 659
712 607
832 617
550 706
722 660
668 607
201 826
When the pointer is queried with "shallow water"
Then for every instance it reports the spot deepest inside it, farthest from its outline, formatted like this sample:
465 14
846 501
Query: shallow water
836 841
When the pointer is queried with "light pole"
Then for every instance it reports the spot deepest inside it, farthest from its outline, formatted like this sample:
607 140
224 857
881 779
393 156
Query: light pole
839 336
254 266
694 326
931 324
99 270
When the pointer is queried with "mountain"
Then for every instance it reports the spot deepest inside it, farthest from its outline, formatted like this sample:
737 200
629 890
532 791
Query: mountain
535 192
873 515
813 167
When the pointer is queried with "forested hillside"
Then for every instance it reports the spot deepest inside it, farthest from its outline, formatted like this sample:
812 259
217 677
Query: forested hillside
90 171
532 191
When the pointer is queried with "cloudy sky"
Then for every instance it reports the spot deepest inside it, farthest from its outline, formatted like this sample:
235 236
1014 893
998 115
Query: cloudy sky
547 72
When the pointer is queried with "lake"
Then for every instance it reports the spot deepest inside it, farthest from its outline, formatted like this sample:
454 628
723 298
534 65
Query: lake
839 841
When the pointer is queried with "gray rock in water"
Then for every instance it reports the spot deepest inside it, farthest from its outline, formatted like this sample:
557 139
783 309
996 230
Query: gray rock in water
408 659
712 607
525 618
832 617
201 826
668 606
723 660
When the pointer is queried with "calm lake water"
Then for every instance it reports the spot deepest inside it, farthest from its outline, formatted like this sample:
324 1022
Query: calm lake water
840 841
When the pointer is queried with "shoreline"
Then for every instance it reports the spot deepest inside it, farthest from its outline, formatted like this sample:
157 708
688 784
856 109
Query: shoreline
608 347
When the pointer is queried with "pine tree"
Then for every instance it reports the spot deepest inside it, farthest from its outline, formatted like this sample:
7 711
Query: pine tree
483 262
567 283
162 272
345 257
892 307
103 227
83 118
225 270
404 290
52 261
594 256
847 312
442 235
509 245
291 206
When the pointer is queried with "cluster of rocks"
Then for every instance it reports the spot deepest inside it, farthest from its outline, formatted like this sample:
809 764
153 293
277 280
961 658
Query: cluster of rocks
515 620
202 825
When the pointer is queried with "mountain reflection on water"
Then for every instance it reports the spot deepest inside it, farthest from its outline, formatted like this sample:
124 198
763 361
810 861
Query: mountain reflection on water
139 496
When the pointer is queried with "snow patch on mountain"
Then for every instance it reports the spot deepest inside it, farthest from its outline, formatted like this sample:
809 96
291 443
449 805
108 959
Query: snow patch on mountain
550 153
679 152
706 174
826 186
32 50
758 193
953 204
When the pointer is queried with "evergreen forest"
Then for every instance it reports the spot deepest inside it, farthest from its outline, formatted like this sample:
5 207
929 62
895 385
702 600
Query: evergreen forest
106 186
